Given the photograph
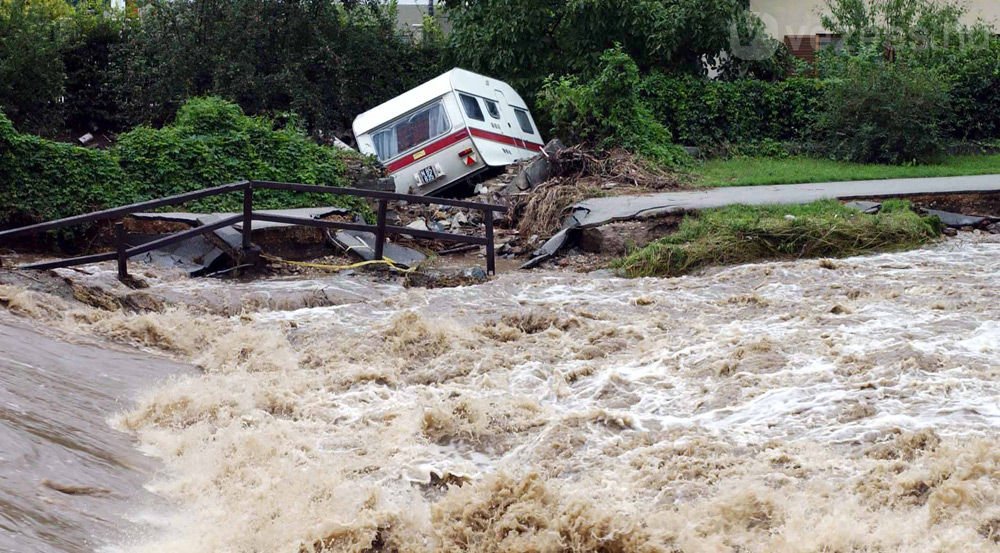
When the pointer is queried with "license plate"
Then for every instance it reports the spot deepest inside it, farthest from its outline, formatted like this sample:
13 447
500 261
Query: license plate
428 175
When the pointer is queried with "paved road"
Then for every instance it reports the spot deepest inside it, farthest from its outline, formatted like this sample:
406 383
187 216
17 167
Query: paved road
600 211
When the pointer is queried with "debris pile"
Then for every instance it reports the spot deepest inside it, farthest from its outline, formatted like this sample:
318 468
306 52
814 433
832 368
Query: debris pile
577 174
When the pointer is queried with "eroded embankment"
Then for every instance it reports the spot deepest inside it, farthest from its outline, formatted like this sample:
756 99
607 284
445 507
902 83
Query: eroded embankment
803 406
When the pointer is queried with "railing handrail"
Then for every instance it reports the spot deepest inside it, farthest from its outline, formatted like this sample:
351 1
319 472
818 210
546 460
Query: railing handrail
118 212
248 216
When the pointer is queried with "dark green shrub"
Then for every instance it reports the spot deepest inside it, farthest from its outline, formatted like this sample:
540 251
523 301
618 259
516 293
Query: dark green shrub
885 113
711 113
41 179
974 75
212 142
608 112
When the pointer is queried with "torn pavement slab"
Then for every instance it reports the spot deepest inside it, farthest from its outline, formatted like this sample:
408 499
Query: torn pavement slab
362 244
206 254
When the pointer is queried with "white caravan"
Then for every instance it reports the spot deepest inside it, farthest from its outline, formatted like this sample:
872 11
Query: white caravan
448 130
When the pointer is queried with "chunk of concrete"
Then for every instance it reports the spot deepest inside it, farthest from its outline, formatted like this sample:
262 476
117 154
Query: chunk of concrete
537 171
870 208
957 220
362 244
549 249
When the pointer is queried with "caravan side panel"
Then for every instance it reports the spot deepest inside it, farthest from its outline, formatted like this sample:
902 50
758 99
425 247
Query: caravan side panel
439 154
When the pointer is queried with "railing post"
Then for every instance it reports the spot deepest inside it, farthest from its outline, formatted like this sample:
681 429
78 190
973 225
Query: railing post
380 231
122 248
491 262
247 216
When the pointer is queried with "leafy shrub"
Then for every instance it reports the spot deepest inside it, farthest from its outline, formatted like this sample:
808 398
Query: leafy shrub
608 112
41 179
926 34
212 142
710 113
885 113
974 75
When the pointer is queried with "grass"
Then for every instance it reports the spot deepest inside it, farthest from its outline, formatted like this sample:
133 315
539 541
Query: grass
747 171
744 234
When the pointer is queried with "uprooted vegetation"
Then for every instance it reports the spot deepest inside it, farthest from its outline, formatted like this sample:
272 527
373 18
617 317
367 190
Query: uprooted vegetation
579 173
744 234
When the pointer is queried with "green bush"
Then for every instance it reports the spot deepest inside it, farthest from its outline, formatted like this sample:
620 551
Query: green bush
212 142
711 113
41 179
974 75
879 112
607 111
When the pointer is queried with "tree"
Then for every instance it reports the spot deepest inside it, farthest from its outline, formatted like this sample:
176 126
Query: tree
326 61
525 41
31 66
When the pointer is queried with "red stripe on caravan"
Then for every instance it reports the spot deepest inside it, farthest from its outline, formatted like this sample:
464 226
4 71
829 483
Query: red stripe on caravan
432 148
494 137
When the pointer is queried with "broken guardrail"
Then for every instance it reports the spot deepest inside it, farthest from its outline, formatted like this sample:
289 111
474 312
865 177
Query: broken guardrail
381 229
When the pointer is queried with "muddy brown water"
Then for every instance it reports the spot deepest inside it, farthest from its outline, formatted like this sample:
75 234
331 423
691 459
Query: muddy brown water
67 479
807 406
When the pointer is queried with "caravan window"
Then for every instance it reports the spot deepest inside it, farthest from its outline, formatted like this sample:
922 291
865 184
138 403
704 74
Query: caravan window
471 106
410 131
493 109
524 121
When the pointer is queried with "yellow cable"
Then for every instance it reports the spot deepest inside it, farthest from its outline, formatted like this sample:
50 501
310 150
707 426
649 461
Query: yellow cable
337 268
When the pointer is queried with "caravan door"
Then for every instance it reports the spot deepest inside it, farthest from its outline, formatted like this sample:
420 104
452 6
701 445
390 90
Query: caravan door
509 126
482 115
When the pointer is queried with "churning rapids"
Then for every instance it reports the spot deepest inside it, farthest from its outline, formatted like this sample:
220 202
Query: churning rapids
807 406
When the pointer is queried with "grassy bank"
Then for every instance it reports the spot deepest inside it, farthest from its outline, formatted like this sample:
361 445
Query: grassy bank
751 171
744 234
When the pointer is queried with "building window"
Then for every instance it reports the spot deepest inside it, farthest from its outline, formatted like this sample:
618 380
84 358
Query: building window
410 131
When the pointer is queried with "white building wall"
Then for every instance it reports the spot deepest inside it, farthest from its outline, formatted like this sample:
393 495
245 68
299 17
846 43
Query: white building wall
802 17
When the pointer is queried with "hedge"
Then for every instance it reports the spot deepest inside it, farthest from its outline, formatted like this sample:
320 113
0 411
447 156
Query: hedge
706 113
212 142
41 179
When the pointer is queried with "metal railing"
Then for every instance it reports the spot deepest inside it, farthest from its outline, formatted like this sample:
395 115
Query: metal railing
381 229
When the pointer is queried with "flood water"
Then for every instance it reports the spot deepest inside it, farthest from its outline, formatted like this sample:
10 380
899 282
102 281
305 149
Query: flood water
841 406
67 479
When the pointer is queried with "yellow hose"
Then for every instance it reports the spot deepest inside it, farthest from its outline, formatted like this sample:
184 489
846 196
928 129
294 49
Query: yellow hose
337 268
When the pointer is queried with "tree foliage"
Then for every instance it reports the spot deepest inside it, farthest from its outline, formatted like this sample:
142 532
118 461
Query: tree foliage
885 113
608 112
526 41
326 61
32 76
